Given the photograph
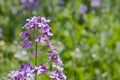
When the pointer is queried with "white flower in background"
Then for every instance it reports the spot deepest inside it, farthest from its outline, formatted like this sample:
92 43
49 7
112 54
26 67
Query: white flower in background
21 55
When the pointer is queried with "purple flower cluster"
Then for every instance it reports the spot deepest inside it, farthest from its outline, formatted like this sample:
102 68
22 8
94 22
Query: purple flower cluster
57 75
38 31
83 9
38 25
27 72
95 3
54 57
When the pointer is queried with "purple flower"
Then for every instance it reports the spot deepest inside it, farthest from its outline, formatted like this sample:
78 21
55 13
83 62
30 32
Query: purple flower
43 20
83 9
27 72
25 34
39 69
16 75
45 29
26 67
49 44
57 75
41 38
27 43
95 3
42 69
38 25
54 58
32 24
49 34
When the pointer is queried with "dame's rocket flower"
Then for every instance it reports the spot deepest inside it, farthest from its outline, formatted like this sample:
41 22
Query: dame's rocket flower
38 25
38 31
54 57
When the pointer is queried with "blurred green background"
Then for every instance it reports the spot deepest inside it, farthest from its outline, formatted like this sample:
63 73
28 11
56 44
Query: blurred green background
89 42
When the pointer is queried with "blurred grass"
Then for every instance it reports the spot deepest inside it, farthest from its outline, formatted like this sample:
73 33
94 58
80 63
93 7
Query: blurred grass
89 43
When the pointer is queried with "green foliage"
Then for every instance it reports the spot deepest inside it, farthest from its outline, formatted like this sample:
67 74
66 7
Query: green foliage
89 43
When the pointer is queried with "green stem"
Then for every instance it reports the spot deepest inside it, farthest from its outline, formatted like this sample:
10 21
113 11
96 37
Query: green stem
36 50
74 67
36 55
36 59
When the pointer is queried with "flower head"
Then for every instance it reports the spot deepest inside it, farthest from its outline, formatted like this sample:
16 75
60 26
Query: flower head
38 25
83 9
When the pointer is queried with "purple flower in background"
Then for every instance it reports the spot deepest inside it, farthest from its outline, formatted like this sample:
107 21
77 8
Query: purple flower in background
95 3
30 4
83 9
1 32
